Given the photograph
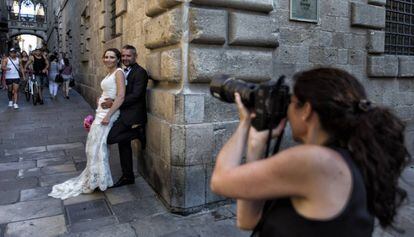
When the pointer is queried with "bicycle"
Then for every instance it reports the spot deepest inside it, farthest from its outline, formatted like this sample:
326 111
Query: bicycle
31 90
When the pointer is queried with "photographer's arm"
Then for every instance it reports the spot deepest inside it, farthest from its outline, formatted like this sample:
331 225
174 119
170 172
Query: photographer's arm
258 180
249 212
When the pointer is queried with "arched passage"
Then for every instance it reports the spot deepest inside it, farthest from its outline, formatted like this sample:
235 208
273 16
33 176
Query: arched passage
39 34
26 42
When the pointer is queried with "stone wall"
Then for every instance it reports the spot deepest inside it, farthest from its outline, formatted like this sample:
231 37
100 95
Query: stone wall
183 44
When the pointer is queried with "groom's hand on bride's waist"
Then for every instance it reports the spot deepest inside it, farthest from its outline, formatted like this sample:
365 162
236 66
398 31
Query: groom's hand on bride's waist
107 103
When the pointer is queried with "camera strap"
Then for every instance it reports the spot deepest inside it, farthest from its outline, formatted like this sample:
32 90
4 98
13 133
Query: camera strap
277 145
269 137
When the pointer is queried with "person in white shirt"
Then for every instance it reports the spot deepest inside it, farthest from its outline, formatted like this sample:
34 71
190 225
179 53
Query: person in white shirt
12 68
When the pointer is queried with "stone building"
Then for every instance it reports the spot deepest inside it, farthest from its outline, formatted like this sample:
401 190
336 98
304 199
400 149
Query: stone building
183 44
4 28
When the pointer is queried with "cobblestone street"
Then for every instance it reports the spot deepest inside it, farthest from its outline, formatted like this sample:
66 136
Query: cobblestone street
44 145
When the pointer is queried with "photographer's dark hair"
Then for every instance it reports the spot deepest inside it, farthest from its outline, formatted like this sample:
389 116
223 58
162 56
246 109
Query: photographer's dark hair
373 134
117 54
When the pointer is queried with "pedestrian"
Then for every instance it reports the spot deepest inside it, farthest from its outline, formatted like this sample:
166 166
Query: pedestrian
24 58
40 70
13 71
344 173
2 74
62 59
67 76
97 173
131 122
53 72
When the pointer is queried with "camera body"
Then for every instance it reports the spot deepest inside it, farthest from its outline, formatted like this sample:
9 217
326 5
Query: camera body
269 100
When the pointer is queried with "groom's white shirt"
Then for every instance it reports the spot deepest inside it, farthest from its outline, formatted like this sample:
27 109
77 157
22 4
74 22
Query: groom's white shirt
127 71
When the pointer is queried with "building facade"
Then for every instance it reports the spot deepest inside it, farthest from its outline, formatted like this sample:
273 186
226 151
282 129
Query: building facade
183 44
4 28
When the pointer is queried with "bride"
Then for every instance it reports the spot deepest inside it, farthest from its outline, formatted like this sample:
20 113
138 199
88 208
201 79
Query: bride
97 172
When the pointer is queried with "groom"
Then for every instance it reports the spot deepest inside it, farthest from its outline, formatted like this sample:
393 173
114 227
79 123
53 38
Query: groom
133 114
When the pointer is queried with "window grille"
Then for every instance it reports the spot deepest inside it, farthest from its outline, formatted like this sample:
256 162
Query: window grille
399 27
113 17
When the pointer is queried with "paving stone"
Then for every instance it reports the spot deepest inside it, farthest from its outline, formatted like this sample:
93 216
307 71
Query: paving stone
53 179
79 158
134 210
9 197
35 194
81 139
28 141
220 228
42 227
80 151
144 189
54 161
173 225
86 211
158 225
30 210
17 165
80 165
93 225
58 169
232 208
8 159
33 172
65 146
10 174
25 183
122 194
84 198
124 230
42 155
56 140
36 149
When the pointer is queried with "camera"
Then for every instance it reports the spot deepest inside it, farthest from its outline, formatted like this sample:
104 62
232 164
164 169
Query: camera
269 100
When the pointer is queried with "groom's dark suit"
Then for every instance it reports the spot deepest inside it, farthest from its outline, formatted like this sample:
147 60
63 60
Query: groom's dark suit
132 119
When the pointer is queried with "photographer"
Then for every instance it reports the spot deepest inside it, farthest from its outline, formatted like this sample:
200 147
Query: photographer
344 173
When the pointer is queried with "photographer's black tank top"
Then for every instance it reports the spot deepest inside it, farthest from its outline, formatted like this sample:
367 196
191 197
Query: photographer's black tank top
280 218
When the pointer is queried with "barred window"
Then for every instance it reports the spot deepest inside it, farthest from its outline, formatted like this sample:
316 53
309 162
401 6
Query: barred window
399 29
113 17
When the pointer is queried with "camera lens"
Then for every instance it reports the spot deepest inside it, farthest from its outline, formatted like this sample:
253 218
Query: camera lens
224 88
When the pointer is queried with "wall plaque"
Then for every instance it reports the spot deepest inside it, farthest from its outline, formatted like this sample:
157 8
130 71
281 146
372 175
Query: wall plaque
304 10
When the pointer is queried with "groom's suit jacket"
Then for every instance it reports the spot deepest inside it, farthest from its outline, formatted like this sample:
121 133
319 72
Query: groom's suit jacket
134 108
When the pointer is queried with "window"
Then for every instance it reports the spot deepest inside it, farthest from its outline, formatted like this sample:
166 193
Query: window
113 18
399 29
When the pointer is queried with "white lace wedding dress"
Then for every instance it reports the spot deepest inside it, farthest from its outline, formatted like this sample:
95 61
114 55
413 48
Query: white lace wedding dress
97 172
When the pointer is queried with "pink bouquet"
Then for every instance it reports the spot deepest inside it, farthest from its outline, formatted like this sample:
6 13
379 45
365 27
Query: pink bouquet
87 122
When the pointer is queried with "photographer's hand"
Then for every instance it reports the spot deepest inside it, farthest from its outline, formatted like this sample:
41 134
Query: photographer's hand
244 114
256 142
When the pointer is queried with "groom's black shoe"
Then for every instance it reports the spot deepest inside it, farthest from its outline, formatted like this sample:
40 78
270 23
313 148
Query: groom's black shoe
123 181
